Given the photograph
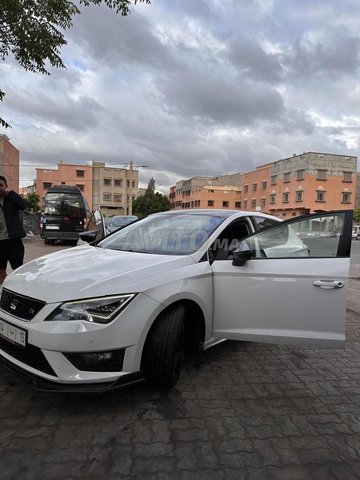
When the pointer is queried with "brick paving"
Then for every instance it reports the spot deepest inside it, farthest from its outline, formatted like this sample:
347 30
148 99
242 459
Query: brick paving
240 411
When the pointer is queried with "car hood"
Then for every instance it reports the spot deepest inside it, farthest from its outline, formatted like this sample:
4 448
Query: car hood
87 271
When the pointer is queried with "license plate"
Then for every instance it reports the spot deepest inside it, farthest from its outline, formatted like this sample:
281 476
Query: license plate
12 333
51 227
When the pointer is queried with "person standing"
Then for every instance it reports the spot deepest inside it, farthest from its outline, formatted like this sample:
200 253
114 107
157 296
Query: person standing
11 229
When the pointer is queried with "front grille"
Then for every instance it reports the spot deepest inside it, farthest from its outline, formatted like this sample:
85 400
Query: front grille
29 355
19 305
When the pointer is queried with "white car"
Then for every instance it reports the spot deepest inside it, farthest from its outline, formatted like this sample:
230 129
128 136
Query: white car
126 308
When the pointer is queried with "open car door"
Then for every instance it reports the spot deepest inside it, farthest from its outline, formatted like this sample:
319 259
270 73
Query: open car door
287 283
95 229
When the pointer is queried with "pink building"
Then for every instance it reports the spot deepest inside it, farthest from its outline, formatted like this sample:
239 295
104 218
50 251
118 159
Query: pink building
9 162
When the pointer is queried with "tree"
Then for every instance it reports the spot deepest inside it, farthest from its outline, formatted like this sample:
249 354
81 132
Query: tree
33 200
32 30
150 202
357 216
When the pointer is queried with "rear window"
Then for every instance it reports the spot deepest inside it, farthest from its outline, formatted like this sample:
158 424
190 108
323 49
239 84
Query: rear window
64 204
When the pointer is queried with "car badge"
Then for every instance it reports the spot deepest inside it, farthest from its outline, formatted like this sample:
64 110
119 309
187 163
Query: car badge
14 303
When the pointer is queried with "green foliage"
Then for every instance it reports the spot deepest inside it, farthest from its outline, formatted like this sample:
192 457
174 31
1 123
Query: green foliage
32 30
357 216
33 200
150 202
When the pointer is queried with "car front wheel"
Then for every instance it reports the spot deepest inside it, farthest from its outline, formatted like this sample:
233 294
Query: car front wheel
164 348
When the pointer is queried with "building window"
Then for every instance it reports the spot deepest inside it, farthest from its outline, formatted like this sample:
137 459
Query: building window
287 177
245 204
118 182
211 191
107 182
246 188
63 183
253 203
321 174
237 204
81 187
225 204
347 177
107 197
299 195
132 184
263 185
263 202
273 179
46 185
254 187
285 196
320 195
346 197
117 198
210 203
300 174
80 173
272 198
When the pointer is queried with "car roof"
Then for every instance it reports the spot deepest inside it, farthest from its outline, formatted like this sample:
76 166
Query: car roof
215 212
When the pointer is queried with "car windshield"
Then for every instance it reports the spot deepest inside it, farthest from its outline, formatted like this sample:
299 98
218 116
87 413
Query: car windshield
165 234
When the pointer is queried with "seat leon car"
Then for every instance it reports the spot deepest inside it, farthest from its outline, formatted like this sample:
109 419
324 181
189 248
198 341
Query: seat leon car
128 307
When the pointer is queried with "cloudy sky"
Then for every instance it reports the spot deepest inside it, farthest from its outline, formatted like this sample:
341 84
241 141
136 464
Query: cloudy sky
192 87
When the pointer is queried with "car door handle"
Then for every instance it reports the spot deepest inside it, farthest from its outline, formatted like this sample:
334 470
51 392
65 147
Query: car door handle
328 283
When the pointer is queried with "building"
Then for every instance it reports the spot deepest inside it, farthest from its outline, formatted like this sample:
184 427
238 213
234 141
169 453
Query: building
114 189
306 183
66 174
207 192
9 162
108 188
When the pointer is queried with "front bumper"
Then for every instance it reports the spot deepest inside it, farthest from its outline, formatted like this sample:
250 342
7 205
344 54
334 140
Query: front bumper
46 385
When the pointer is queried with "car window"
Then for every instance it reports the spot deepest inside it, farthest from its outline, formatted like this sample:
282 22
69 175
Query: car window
179 234
316 237
263 222
229 238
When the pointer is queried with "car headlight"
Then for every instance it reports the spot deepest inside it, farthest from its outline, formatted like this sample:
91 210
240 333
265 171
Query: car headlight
96 310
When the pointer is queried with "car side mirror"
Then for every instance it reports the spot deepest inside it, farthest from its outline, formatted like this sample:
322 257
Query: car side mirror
241 255
89 236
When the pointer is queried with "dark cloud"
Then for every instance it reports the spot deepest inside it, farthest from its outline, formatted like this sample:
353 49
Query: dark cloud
113 39
191 87
253 62
334 56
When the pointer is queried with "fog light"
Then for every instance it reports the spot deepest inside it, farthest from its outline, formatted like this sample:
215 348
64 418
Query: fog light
110 361
92 358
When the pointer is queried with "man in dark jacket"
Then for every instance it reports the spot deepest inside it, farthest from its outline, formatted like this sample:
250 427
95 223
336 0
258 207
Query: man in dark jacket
11 228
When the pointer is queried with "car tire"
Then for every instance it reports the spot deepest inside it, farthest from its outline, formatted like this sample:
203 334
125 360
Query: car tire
164 349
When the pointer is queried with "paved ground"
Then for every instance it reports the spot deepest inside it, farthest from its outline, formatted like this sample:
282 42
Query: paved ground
240 411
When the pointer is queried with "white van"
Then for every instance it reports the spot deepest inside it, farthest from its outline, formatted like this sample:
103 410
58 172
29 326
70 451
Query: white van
356 232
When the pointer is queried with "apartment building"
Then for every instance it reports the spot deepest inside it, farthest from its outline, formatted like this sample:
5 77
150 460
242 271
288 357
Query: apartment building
114 189
306 183
108 188
9 162
65 174
207 192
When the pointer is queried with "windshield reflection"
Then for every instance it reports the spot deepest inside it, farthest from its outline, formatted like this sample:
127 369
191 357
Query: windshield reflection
172 234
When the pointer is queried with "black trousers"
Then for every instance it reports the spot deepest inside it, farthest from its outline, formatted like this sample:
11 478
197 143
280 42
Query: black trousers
12 251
